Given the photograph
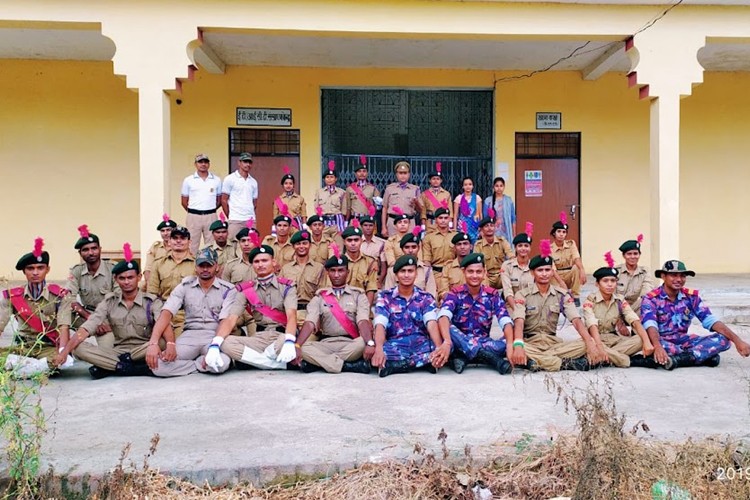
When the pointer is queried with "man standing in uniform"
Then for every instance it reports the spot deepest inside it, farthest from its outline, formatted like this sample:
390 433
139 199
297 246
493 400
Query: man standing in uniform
433 198
170 270
240 268
425 277
373 246
239 195
496 249
466 317
281 243
320 244
515 273
132 315
220 233
400 194
272 302
158 248
306 274
363 270
201 196
406 331
667 312
206 301
360 193
437 249
333 202
342 315
536 313
92 280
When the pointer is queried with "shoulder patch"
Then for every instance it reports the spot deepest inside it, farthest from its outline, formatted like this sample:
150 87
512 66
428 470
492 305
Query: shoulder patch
285 281
653 293
690 291
489 290
520 301
56 290
588 305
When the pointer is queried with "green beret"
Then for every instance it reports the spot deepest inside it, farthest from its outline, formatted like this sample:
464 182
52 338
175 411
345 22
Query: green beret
29 259
314 218
404 260
336 262
244 233
166 223
351 231
440 211
285 177
522 238
630 245
265 249
366 218
603 272
472 258
558 225
217 224
409 238
124 266
459 237
398 217
300 236
282 218
539 261
91 238
486 220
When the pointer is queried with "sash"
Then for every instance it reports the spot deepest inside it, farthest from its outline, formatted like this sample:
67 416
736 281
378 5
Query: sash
338 313
26 314
254 301
284 207
362 198
433 199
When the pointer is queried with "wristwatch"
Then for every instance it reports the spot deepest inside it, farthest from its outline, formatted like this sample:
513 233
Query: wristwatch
370 343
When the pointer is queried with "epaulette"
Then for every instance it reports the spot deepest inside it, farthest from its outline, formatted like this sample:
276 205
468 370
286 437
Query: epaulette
653 293
187 279
150 296
489 290
13 292
456 288
57 290
560 290
690 291
588 304
285 281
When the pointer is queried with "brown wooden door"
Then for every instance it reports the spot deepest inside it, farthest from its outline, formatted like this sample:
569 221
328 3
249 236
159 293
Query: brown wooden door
267 170
544 188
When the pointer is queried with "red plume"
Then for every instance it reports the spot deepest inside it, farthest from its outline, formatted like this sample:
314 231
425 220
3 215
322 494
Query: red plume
398 211
354 223
563 217
335 250
165 217
639 239
254 238
38 246
371 210
416 231
491 213
250 223
609 259
127 252
83 230
464 227
529 228
439 167
546 248
286 170
331 165
363 160
222 217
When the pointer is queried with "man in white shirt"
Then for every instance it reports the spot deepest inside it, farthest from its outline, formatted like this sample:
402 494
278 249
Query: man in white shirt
239 195
201 196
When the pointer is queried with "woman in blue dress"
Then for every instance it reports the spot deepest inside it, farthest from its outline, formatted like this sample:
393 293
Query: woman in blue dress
505 210
467 209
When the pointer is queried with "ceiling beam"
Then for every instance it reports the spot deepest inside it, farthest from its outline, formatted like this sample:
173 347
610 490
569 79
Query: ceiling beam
604 62
205 57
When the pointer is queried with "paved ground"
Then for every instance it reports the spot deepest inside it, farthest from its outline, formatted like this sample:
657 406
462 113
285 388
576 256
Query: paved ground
253 425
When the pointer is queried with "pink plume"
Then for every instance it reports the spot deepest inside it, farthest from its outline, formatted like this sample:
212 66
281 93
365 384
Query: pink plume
355 223
609 259
38 246
363 160
331 165
491 212
127 252
254 238
546 248
83 230
398 211
319 211
305 234
439 167
563 217
286 170
529 228
222 217
416 231
639 239
335 250
250 223
165 217
371 210
464 227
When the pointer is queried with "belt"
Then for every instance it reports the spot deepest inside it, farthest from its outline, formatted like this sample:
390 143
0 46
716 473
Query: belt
201 212
265 328
430 215
437 269
302 307
564 268
330 216
396 216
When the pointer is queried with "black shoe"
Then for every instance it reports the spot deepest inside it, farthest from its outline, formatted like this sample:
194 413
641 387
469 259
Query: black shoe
577 302
239 365
98 373
682 360
458 362
359 366
578 364
133 370
429 368
641 361
125 358
712 362
392 367
532 366
494 360
306 367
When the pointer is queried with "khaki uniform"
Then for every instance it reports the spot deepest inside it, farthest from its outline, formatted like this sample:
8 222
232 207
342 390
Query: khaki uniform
495 253
437 249
131 329
225 253
402 196
425 279
296 204
540 314
597 312
564 259
156 251
514 277
237 270
203 312
336 346
393 250
283 254
308 278
452 276
165 276
634 286
26 340
356 206
91 288
261 349
333 202
320 251
363 273
428 208
374 248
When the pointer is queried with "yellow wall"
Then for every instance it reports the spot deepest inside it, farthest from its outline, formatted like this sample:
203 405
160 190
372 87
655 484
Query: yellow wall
69 149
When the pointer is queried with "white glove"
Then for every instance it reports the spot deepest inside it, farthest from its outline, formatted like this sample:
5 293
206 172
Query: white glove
213 356
378 201
288 351
424 228
69 361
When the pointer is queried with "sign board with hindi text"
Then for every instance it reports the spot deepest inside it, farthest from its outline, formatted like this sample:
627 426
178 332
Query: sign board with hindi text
268 117
549 121
532 183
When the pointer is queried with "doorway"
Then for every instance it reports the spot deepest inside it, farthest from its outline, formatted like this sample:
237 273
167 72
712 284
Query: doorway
548 182
272 150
